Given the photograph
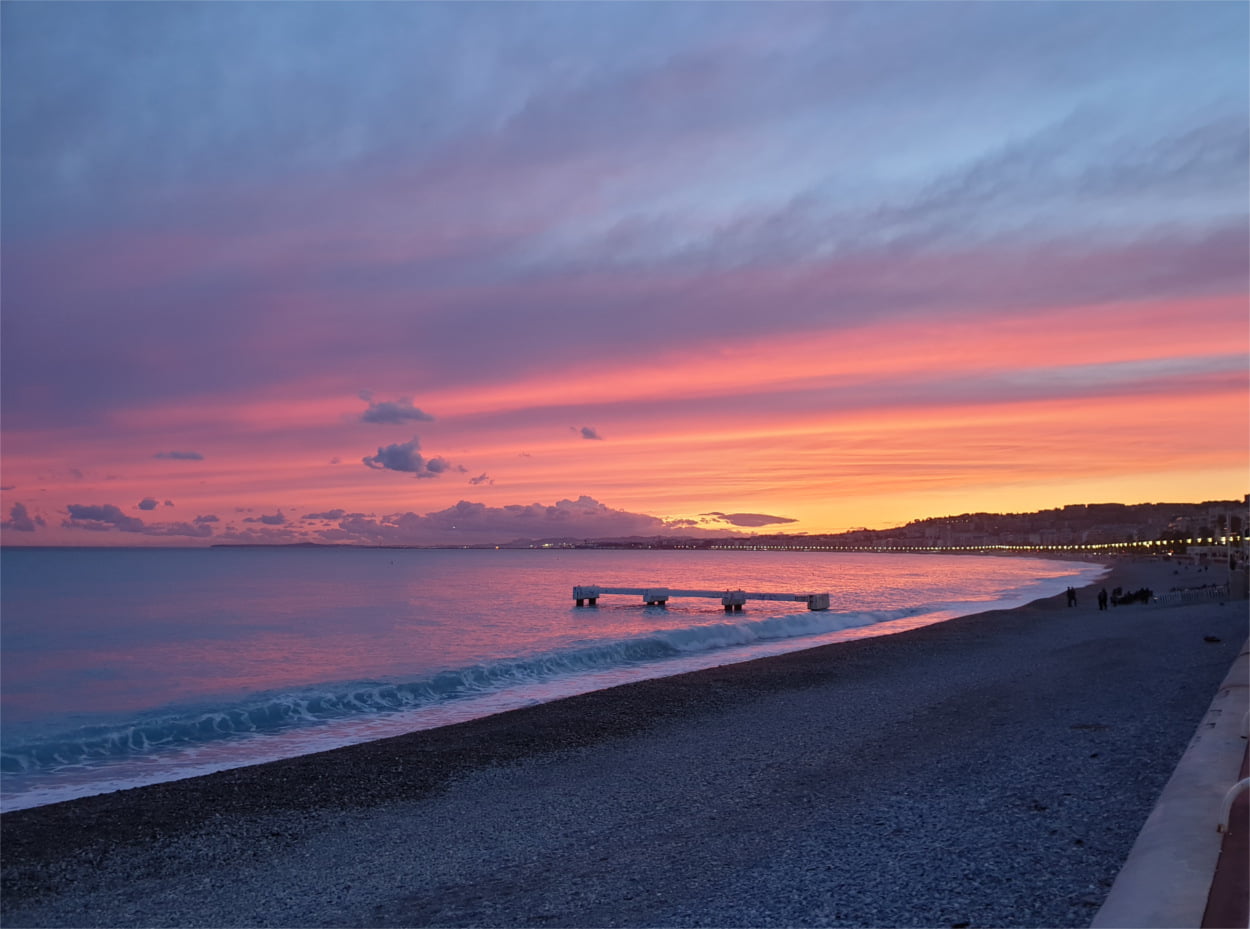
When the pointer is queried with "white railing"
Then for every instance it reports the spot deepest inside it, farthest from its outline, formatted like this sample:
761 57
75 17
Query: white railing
732 600
1198 595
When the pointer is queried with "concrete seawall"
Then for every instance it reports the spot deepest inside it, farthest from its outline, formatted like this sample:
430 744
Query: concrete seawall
1167 878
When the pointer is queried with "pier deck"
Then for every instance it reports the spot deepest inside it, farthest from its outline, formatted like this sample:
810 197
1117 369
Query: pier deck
731 600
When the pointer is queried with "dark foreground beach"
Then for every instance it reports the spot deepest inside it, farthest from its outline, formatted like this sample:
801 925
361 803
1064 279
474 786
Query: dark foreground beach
988 771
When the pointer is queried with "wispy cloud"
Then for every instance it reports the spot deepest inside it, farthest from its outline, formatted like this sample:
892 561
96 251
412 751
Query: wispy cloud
631 216
752 520
328 514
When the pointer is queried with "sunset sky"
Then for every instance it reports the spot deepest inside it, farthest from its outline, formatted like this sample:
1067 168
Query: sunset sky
468 272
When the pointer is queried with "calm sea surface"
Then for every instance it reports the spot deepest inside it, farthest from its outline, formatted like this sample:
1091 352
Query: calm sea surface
128 667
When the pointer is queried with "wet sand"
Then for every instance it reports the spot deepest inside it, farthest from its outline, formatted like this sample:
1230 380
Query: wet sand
987 771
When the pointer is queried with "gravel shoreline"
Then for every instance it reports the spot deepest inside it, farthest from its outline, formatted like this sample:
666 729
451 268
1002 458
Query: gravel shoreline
988 771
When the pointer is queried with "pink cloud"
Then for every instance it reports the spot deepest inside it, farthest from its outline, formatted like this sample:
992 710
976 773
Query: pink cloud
476 523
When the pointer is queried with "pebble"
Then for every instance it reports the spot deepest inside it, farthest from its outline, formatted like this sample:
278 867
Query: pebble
987 771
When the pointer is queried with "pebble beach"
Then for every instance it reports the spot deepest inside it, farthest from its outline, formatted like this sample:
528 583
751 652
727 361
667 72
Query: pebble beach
992 770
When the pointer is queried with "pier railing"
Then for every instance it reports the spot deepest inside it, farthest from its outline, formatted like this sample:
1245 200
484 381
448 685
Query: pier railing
731 600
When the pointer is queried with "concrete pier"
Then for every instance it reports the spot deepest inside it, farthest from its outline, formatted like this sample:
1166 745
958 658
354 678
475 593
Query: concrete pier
731 600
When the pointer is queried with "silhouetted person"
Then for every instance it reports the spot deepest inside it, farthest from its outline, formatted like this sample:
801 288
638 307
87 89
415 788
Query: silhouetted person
1102 599
1071 596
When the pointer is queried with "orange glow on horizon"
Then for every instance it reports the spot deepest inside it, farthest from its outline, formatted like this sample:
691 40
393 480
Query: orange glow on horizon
1013 413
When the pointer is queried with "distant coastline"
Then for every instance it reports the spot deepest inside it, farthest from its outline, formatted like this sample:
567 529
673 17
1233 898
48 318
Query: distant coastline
1204 529
1146 528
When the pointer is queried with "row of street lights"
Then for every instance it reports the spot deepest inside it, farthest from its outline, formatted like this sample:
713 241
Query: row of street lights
1169 545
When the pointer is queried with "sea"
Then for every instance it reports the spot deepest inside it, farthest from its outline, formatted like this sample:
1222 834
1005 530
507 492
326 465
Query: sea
125 667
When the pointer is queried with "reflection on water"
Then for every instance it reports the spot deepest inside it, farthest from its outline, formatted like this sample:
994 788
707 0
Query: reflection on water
108 638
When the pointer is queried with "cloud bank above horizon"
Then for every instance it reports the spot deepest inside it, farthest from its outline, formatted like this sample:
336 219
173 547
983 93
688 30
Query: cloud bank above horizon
665 266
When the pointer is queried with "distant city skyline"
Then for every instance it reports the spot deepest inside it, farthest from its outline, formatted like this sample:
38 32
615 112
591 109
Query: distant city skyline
424 273
1153 528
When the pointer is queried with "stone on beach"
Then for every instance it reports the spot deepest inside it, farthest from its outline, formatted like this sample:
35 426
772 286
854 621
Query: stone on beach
989 770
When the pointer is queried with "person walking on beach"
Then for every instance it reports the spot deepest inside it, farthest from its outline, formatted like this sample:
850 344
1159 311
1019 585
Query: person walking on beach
1071 596
1102 599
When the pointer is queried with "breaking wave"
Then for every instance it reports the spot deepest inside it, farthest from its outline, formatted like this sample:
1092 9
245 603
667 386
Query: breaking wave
276 711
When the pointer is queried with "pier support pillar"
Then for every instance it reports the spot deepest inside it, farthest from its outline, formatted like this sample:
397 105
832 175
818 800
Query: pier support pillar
657 596
588 593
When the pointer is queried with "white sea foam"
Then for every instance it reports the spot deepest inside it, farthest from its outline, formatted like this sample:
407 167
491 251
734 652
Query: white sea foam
180 727
58 755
